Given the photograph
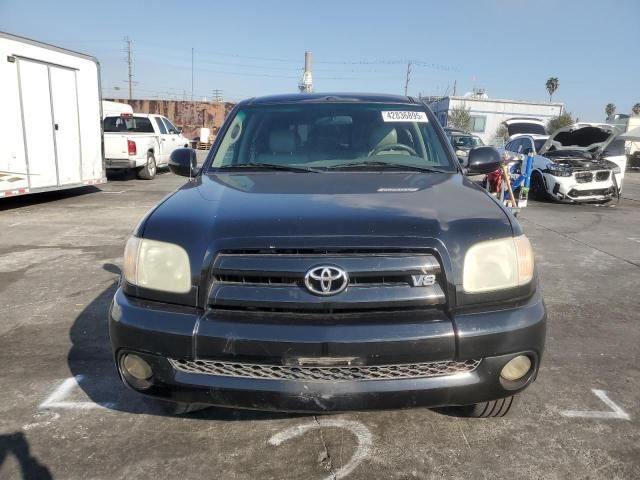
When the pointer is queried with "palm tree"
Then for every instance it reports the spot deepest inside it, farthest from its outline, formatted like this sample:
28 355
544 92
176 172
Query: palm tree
552 85
610 109
636 109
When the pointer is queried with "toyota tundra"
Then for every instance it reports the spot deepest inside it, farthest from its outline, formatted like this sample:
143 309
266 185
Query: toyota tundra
330 255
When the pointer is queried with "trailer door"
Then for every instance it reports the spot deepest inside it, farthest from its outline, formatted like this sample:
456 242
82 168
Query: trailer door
64 100
37 121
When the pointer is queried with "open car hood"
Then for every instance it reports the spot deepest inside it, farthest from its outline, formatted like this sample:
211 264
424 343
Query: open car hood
521 125
584 138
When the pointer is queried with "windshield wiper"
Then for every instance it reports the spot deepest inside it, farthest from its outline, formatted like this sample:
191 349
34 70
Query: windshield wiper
269 166
379 164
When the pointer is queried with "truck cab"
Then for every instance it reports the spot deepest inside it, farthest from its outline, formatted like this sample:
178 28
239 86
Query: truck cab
139 141
330 255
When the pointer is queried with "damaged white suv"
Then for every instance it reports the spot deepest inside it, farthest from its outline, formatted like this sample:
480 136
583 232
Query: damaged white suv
571 165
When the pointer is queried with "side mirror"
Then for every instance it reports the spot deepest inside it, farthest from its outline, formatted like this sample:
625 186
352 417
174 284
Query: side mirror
183 162
483 160
179 129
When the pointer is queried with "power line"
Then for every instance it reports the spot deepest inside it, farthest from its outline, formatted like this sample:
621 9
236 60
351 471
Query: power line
397 61
241 74
392 63
256 74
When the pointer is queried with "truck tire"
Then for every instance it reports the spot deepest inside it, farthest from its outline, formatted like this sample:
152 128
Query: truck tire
491 409
149 170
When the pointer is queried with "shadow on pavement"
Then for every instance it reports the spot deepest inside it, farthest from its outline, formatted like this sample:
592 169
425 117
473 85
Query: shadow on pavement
21 201
91 362
16 444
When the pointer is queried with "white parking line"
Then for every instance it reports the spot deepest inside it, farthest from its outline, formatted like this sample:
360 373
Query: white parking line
616 412
57 398
362 433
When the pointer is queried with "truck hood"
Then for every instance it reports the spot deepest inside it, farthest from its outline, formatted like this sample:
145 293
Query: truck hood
346 209
589 138
532 126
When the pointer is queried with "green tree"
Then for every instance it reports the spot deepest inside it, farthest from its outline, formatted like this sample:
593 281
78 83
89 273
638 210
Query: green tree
460 118
610 109
561 121
552 85
502 134
636 109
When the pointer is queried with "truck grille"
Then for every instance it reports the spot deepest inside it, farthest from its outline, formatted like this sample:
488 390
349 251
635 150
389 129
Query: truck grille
273 280
324 374
584 177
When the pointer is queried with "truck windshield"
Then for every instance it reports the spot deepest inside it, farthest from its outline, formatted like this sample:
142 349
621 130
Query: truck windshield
466 141
331 136
128 124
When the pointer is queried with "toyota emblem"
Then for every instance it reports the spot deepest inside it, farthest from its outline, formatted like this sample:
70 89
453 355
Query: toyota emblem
326 280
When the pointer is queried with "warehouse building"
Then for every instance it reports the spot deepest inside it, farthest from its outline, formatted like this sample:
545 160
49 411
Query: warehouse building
488 113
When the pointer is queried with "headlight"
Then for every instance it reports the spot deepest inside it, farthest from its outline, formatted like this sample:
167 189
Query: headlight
616 169
157 265
558 170
498 264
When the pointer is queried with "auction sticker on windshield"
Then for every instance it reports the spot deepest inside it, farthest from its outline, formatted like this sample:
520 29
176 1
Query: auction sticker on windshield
408 116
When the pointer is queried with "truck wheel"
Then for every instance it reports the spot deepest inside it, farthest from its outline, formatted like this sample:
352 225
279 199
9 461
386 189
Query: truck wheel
493 408
149 170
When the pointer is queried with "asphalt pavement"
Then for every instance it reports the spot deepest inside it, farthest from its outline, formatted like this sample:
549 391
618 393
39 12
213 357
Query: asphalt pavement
64 413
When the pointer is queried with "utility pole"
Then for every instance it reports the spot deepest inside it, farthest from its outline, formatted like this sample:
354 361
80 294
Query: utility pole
129 63
455 82
192 74
217 95
406 82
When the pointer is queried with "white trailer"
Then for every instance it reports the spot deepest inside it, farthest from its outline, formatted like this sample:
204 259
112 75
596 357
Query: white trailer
51 122
115 108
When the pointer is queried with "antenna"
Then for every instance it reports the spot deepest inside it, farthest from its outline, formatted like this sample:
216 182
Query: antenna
406 82
192 74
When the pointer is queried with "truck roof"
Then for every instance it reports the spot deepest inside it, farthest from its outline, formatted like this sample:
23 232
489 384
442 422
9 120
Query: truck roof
330 97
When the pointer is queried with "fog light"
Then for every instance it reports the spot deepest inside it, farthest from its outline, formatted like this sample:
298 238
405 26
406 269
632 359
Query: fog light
516 368
136 367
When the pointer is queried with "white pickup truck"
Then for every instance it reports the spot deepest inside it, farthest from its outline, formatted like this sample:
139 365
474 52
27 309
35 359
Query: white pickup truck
140 141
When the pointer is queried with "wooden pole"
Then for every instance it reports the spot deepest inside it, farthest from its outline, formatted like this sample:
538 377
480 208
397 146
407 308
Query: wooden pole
505 174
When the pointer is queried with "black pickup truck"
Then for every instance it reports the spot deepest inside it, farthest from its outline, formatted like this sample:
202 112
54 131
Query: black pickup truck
329 255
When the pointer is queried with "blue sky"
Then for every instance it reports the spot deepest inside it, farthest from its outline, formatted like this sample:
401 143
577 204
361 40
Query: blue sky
248 48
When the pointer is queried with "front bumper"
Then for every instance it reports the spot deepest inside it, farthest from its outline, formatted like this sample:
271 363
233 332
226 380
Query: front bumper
566 189
159 332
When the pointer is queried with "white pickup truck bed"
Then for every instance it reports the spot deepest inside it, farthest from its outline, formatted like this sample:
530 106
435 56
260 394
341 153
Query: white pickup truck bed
139 141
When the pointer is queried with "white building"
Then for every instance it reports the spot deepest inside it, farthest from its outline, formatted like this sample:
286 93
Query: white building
487 113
